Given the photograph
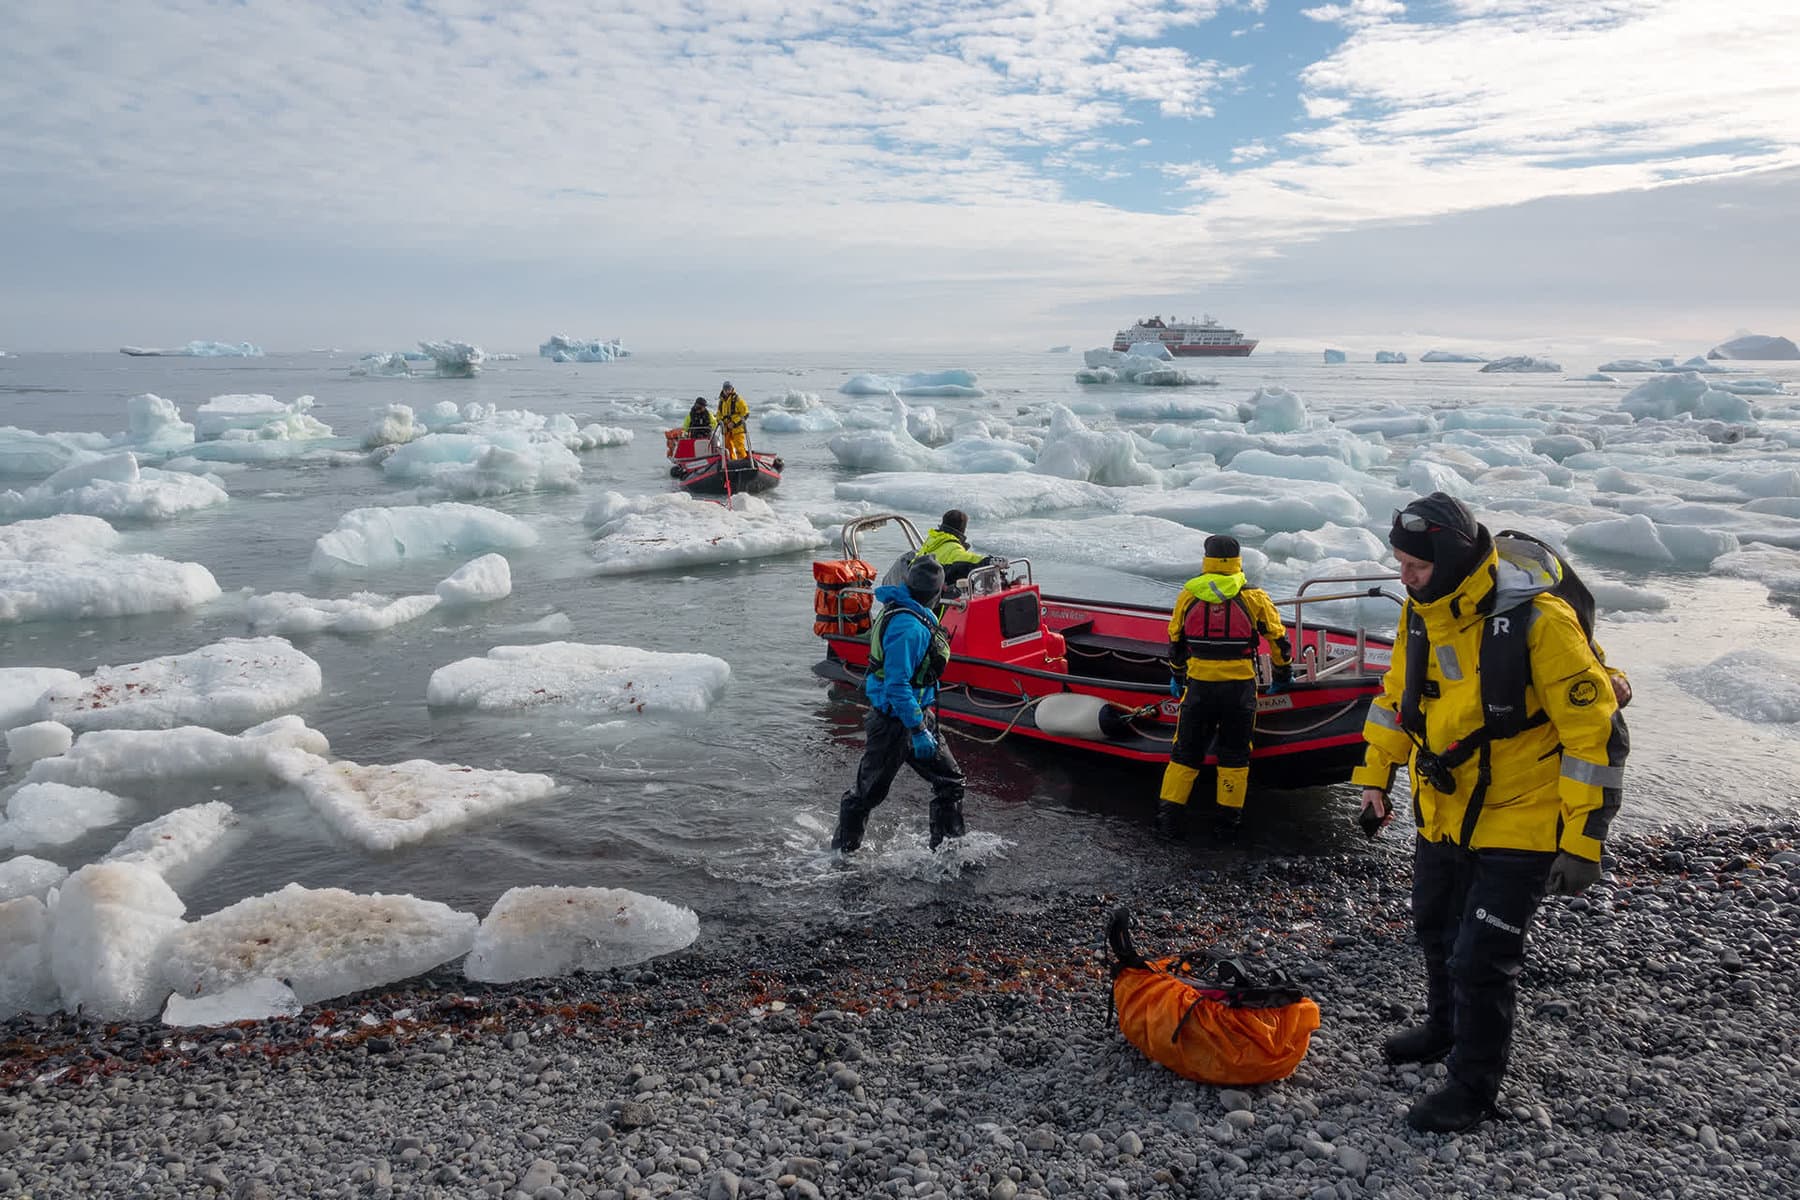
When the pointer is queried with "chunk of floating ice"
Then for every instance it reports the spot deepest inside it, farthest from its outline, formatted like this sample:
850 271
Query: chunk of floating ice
984 497
383 806
26 984
1134 544
538 932
235 682
253 1000
62 568
1638 537
455 360
1523 363
176 840
393 426
660 531
1148 369
360 612
1225 499
112 757
1276 410
20 688
323 943
1750 684
1667 396
1073 451
28 743
115 487
917 383
28 876
222 414
588 680
478 581
107 937
367 538
485 464
52 814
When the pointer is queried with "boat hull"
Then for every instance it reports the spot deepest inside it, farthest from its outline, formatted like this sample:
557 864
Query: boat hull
711 476
1241 350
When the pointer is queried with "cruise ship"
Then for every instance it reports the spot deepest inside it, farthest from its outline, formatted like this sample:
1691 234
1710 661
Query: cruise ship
1187 339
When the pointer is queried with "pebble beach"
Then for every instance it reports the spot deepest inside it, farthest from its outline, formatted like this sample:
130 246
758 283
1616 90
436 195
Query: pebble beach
967 1050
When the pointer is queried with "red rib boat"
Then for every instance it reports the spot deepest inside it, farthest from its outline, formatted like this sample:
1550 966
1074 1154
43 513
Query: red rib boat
1094 675
698 464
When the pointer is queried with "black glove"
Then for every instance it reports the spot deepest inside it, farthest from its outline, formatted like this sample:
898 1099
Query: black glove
1571 875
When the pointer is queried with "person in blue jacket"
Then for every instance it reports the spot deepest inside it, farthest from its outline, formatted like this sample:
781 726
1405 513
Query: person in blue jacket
907 655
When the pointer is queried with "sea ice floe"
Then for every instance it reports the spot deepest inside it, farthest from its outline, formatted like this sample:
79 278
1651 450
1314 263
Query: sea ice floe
561 348
359 612
488 464
53 814
917 383
665 530
62 568
983 497
108 936
1329 541
1622 597
253 1000
42 739
115 757
1133 544
1637 537
392 426
1523 363
1073 451
1224 445
1630 366
1392 422
478 581
542 932
384 366
24 875
798 412
197 349
1449 356
252 418
26 984
1776 568
455 360
384 806
1146 370
373 538
1667 396
114 486
232 683
1274 409
172 843
580 679
1227 500
322 943
1389 356
1754 685
1336 356
1760 346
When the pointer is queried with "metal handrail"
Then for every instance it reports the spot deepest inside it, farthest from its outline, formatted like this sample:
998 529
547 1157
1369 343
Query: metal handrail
855 528
1300 600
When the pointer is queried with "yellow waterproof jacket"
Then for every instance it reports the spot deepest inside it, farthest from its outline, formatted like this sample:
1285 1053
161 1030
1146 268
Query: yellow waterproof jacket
1222 579
948 549
733 412
1551 787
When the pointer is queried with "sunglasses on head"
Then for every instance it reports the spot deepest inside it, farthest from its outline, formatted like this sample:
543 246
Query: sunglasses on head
1413 522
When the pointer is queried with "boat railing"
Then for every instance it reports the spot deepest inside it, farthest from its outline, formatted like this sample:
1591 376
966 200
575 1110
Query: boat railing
1357 662
853 531
991 579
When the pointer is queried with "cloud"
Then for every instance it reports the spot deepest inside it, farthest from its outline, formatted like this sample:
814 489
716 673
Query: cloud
1357 12
1250 152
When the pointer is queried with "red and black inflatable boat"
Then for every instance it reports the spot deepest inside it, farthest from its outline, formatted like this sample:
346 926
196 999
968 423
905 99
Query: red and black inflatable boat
699 465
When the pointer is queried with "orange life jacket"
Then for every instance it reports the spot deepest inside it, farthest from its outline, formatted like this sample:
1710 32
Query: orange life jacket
835 610
1218 631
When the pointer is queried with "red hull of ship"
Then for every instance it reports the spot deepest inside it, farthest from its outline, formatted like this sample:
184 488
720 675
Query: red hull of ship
1242 350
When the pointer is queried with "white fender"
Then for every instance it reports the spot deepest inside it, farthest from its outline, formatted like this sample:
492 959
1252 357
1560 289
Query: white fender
1070 715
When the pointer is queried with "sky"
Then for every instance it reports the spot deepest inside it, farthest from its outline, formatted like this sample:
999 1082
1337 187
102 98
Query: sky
1492 174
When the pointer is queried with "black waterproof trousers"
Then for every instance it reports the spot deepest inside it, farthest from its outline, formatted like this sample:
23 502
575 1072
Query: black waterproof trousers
889 746
1215 710
1471 909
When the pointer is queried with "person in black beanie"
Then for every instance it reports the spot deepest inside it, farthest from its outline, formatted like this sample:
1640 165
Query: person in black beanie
1507 720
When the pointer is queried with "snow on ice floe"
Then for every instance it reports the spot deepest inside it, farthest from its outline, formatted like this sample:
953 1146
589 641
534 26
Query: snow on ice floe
373 538
1522 363
918 383
1146 370
563 349
487 464
26 984
24 875
983 497
254 1000
124 757
1668 395
322 943
1351 543
479 581
1133 544
1073 451
455 360
384 806
173 843
20 688
42 739
581 680
197 349
1449 356
290 613
53 814
1638 538
543 932
108 933
234 682
898 448
1753 685
1274 409
114 486
1756 346
1226 501
64 568
663 530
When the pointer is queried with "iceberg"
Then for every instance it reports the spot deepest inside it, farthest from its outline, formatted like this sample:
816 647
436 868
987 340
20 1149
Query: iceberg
383 366
386 806
1669 395
1450 356
114 757
249 413
1756 346
1274 409
24 875
1073 451
544 932
1389 356
20 688
564 349
488 464
1522 363
197 350
374 538
323 943
918 383
361 612
479 581
62 568
663 531
1630 366
114 486
1335 356
455 360
1113 366
25 744
234 682
54 814
581 680
107 936
1136 545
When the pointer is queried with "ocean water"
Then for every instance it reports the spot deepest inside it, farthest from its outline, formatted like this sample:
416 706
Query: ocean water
729 813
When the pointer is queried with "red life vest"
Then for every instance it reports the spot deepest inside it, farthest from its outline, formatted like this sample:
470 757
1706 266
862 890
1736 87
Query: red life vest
1220 631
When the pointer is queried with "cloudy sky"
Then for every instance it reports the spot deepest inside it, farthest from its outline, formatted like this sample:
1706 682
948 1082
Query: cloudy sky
887 173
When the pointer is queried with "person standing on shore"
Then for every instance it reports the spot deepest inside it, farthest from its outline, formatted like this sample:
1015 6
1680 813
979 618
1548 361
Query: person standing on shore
907 656
1509 724
1213 632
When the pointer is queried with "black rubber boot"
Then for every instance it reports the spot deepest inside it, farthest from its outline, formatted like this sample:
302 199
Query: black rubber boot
1451 1109
849 832
1169 820
946 822
1421 1043
1226 822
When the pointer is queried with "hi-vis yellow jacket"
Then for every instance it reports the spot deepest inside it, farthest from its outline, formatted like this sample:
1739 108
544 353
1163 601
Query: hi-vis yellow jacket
733 412
1222 581
1553 786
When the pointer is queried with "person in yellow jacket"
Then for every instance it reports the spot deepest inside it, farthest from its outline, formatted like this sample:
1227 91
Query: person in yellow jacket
1508 721
1214 630
732 420
949 544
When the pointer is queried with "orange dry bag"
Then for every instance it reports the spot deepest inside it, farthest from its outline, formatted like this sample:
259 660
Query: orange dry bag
1229 1029
835 610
